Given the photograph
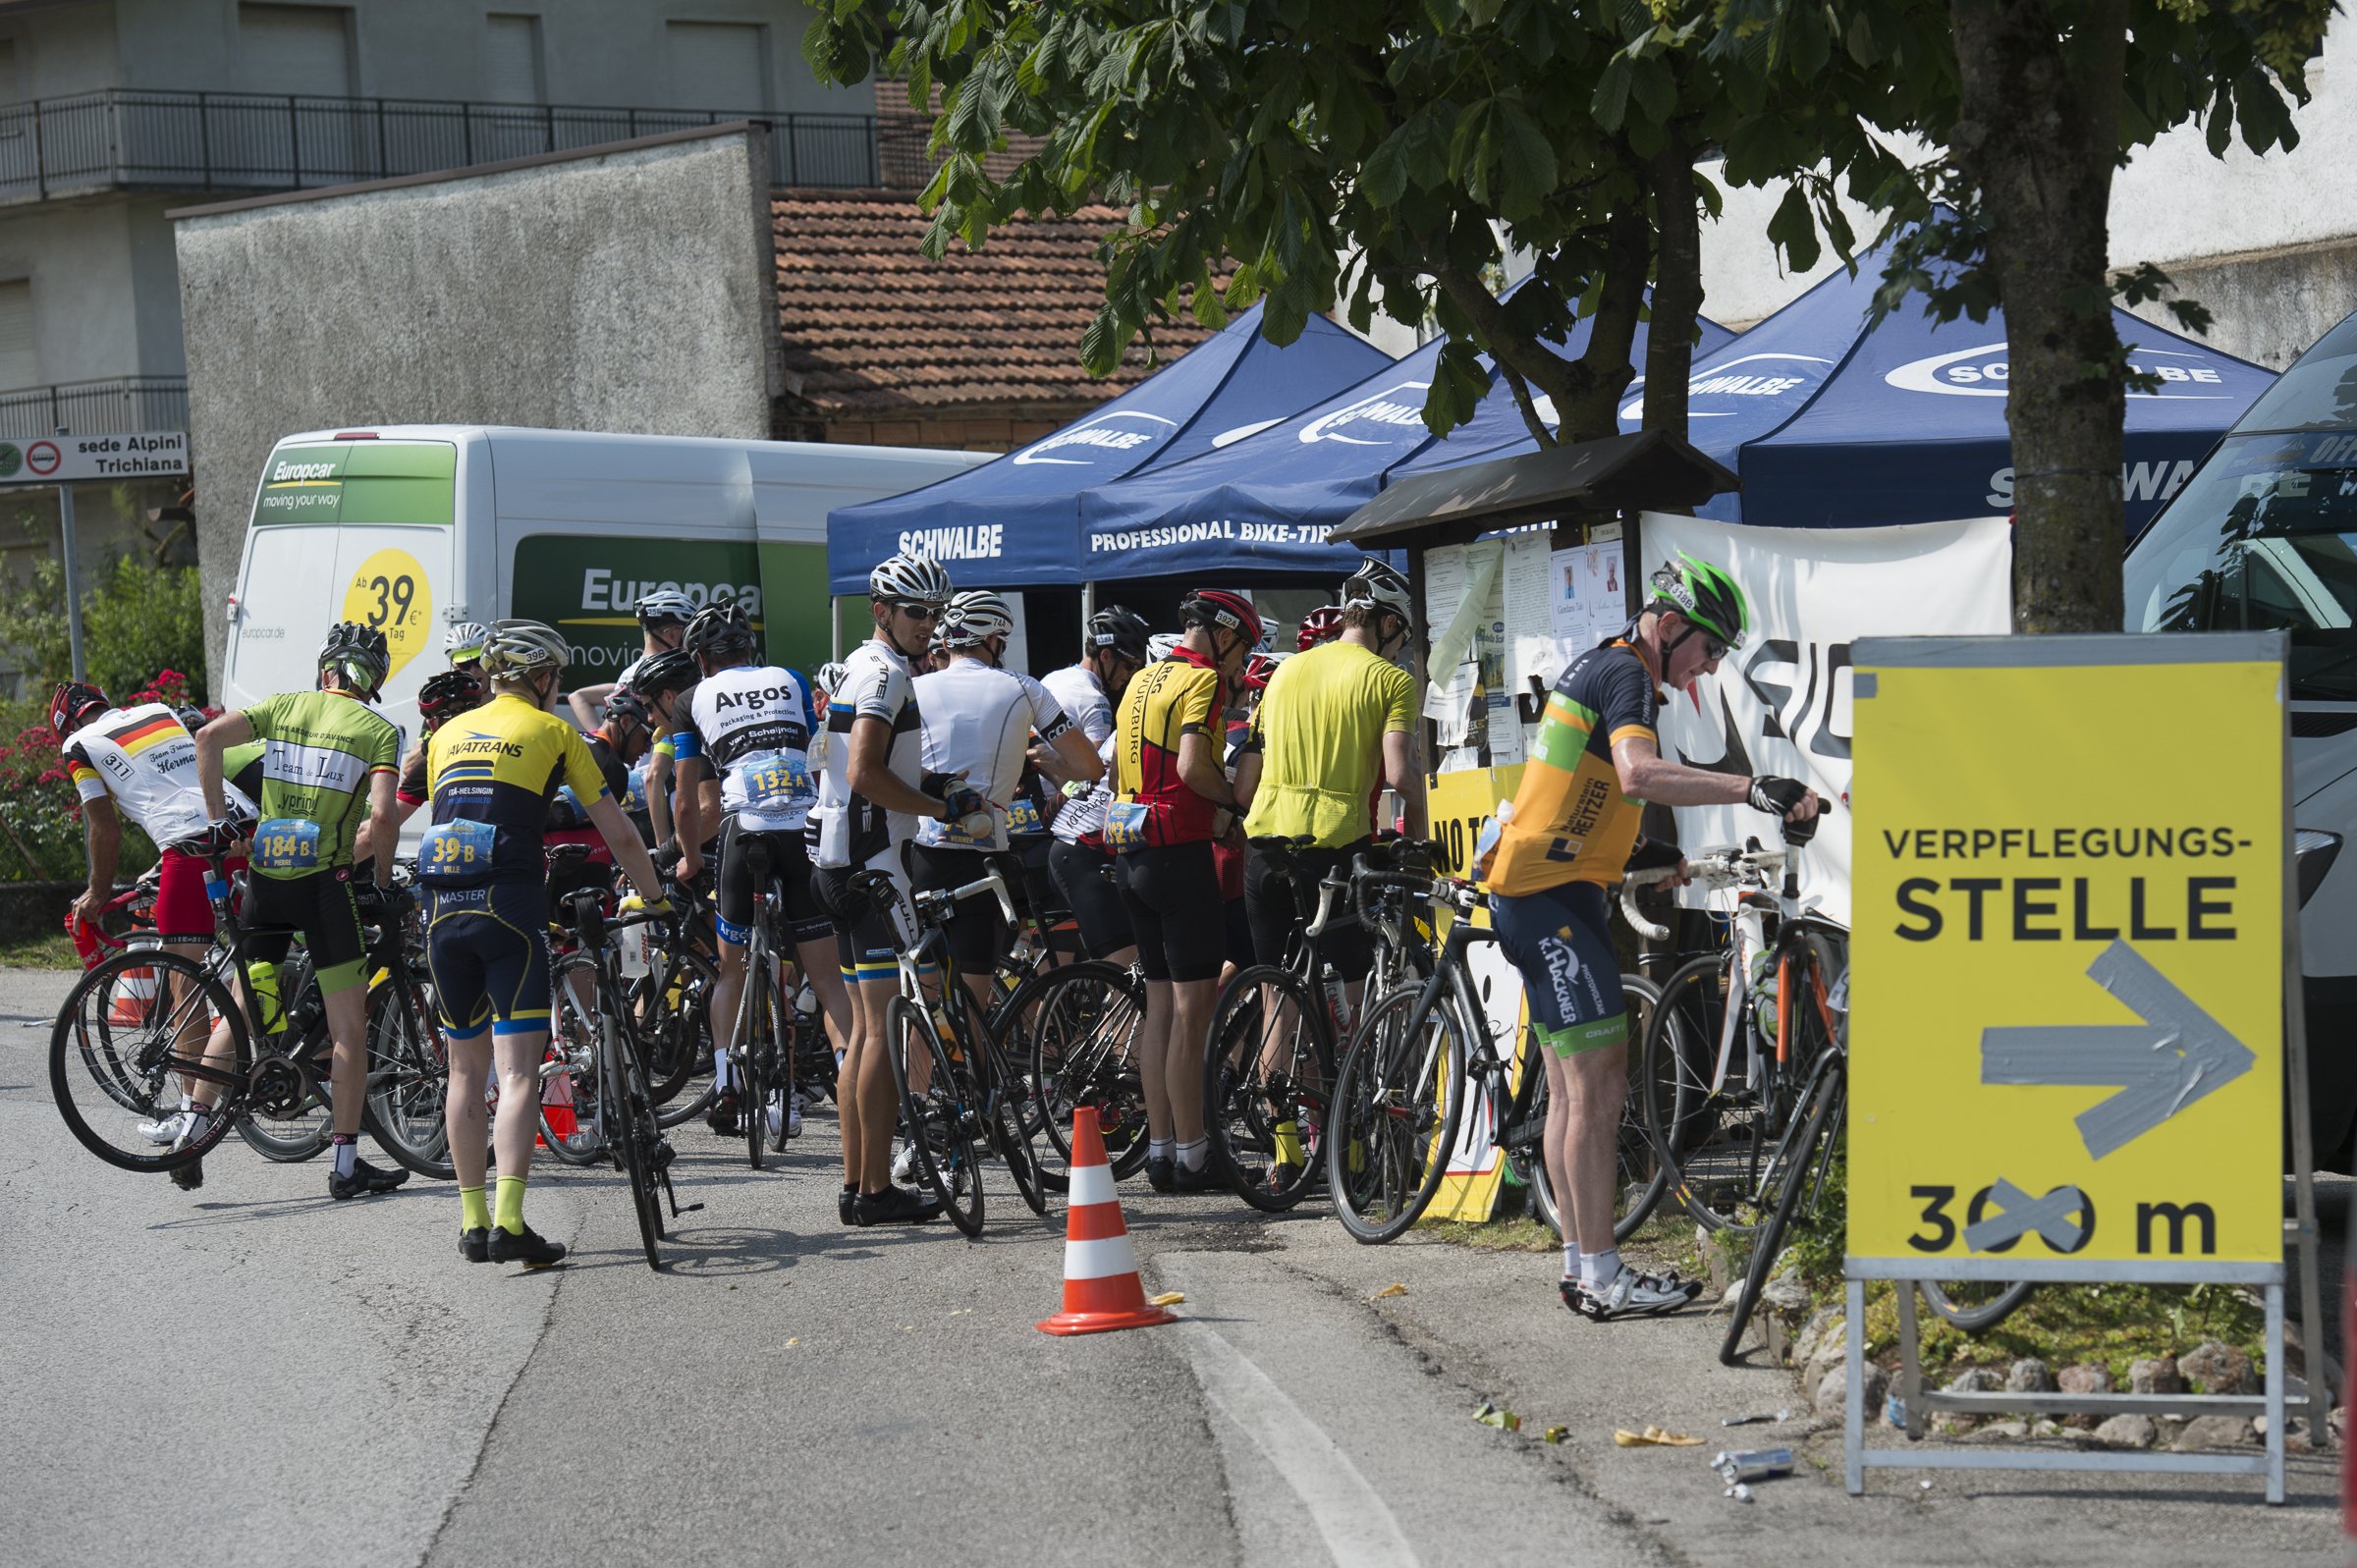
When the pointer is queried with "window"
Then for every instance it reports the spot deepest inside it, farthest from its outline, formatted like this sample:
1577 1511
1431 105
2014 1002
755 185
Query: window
9 92
305 49
717 65
512 59
17 366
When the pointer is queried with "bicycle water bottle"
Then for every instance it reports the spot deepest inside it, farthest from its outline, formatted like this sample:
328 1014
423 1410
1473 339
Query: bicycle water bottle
1485 847
85 938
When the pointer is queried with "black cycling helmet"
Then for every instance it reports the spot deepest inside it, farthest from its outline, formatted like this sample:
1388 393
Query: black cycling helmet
1121 628
672 670
623 703
719 631
449 694
359 654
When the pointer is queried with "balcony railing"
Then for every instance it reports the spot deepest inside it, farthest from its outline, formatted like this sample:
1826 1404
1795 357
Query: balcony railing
93 408
248 142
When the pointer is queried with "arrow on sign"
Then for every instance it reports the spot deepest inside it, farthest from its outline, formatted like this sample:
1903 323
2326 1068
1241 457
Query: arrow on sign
2175 1057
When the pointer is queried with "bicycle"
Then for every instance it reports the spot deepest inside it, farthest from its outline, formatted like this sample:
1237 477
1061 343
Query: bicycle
1077 1027
765 1049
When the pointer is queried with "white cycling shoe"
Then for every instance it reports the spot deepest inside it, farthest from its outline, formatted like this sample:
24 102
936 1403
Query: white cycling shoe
1630 1294
164 1131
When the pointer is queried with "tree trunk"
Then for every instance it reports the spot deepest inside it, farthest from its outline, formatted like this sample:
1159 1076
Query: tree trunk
2038 135
1676 287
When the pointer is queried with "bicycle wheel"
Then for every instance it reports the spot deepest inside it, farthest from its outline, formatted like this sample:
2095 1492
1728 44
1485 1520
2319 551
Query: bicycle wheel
1011 1124
1268 1080
1715 1142
1795 1176
1976 1306
111 1063
408 1078
944 1118
622 1106
1640 1176
1076 1027
670 1012
287 1117
755 1048
573 1033
1398 1098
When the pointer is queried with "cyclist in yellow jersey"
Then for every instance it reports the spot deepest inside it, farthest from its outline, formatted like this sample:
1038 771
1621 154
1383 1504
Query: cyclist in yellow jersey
1569 837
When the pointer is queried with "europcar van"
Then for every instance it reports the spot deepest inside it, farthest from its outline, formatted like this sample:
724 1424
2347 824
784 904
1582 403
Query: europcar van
416 527
2264 537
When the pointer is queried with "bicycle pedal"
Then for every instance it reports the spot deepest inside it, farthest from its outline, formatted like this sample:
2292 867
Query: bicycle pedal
694 1208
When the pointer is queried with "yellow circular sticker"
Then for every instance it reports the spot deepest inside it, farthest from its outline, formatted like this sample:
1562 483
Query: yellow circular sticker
390 593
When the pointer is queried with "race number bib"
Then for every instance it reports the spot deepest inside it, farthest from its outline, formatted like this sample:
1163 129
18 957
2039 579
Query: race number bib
287 843
456 851
1125 825
634 798
1024 816
776 783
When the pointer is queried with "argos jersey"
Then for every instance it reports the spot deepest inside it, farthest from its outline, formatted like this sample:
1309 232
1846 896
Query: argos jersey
979 721
876 685
146 760
1152 804
322 748
492 773
1572 822
751 723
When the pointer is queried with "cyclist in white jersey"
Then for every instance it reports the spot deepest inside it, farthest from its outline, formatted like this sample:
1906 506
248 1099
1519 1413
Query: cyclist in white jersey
977 725
870 796
749 727
1114 650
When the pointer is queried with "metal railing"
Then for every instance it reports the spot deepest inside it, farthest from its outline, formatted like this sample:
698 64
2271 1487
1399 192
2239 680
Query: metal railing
246 143
87 407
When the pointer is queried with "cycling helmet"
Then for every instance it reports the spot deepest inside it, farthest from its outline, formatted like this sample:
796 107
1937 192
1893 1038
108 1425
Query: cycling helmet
974 617
1322 625
830 676
463 644
623 703
1122 630
72 704
1223 611
665 607
918 579
672 670
192 719
447 695
359 652
1705 596
1161 646
1259 668
522 648
720 631
1377 586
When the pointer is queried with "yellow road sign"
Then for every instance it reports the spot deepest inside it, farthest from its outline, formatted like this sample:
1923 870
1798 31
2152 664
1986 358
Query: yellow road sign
2066 969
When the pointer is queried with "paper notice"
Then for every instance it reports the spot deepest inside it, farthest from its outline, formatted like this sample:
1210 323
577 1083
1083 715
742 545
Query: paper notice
1459 598
1530 647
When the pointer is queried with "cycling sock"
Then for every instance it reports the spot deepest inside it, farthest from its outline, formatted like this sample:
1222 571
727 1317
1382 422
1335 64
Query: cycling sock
1193 1153
188 1102
1570 1260
348 1151
720 1072
509 1214
1160 1147
1600 1269
473 1213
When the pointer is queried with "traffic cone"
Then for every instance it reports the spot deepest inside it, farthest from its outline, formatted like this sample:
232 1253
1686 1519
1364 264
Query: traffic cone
556 1105
1101 1289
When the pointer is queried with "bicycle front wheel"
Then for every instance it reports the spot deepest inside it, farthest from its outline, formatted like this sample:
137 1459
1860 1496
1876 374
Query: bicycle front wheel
635 1142
1268 1081
409 1077
1976 1306
755 1050
671 1014
1794 1177
941 1116
1398 1095
130 1039
1076 1028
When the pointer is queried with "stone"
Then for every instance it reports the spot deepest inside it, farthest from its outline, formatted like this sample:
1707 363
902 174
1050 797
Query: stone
2127 1431
2218 1368
2214 1432
2087 1377
1786 1293
2005 1429
1975 1381
1829 1354
1812 1332
2046 1427
1950 1423
2295 1433
1833 1393
2030 1375
2156 1377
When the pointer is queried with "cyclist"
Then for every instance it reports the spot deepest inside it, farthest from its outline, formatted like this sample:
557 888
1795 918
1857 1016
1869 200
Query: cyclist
491 776
749 726
1171 801
457 690
870 798
662 681
663 617
1567 839
977 726
1322 625
328 759
1335 724
140 762
463 646
1113 652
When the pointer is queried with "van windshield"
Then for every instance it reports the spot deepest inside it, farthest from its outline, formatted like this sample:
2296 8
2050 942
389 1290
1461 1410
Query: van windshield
2264 538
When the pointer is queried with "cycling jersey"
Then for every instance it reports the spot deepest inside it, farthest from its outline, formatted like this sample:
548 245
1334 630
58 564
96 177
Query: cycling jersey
1081 695
751 725
876 684
1166 701
146 760
491 773
1571 822
1319 730
978 722
321 749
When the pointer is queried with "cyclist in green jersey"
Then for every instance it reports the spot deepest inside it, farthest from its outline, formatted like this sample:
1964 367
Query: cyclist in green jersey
327 759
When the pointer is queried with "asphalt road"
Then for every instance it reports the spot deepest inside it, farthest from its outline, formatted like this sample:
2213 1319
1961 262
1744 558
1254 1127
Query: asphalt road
255 1375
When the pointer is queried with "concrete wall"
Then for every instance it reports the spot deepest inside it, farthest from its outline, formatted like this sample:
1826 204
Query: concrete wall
62 50
632 291
84 304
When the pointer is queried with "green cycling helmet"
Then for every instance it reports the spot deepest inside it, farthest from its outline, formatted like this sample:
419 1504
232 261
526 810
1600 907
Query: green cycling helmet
1706 596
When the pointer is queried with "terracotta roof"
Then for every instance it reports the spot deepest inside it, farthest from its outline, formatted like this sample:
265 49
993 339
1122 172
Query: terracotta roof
870 326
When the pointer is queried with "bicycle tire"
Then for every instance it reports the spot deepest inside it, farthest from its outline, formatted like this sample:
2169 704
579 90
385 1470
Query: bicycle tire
303 1134
1959 1303
130 1081
631 1123
1713 1142
1083 1016
779 1071
943 1120
755 1048
408 1078
1011 1130
1396 1101
1798 1156
1248 1102
676 1035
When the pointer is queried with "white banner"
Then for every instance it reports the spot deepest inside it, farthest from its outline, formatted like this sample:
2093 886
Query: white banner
1782 704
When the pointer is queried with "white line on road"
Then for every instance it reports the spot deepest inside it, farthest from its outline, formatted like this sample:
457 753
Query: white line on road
1356 1523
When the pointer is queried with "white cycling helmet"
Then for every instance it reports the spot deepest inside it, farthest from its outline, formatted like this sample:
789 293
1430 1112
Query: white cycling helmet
973 617
830 676
1161 645
919 579
520 648
464 641
665 605
1377 586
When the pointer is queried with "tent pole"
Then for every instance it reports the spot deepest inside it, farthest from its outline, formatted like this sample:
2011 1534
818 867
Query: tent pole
1088 604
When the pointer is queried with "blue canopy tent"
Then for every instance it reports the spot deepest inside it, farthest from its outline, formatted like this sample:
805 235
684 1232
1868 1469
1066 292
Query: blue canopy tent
1014 522
1266 502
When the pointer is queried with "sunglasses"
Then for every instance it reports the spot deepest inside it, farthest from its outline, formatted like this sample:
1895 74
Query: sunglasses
1715 648
918 611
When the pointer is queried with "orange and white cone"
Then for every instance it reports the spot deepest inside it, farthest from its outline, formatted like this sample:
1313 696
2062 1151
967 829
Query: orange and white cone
556 1105
1101 1289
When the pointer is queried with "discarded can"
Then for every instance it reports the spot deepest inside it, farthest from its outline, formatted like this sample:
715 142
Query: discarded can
1753 1464
1756 1420
1894 1411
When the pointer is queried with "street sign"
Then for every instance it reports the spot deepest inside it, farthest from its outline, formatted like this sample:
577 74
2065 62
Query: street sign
75 460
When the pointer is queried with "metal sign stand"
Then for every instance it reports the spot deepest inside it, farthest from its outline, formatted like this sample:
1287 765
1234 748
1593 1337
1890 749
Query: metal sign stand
2301 1231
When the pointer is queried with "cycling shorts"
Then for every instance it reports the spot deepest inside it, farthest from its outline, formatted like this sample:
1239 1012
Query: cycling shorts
1561 939
319 906
486 951
1280 913
1094 900
182 913
804 918
1025 865
1173 894
976 932
867 933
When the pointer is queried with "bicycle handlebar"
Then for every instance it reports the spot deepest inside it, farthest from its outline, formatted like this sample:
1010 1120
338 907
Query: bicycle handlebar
1630 881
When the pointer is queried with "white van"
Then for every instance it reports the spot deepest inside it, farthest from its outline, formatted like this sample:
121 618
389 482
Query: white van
414 527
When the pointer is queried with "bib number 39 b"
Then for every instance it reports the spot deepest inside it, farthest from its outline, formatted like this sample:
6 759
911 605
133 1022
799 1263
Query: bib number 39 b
454 850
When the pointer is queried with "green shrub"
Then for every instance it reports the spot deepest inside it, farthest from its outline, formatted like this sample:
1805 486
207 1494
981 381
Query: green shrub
139 618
